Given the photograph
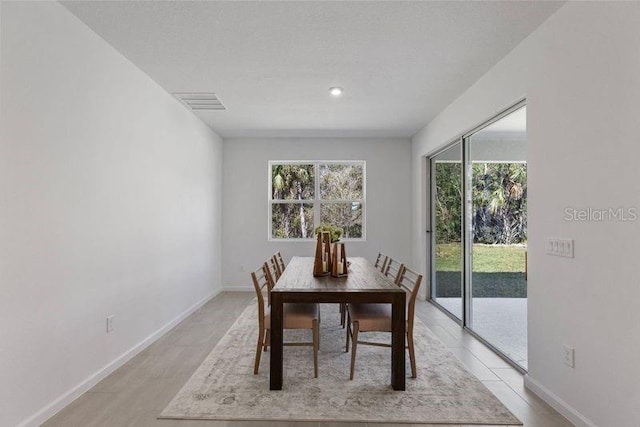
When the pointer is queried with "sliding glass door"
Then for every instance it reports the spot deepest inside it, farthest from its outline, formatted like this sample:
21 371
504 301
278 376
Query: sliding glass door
479 252
446 173
497 168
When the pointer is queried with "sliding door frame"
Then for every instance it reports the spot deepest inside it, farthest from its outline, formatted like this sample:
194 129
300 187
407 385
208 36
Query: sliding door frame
467 307
431 229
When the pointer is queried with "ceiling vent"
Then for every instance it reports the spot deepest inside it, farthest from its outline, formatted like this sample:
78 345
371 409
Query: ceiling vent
201 101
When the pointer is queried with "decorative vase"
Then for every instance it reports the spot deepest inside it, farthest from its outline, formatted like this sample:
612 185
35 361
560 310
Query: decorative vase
339 265
322 262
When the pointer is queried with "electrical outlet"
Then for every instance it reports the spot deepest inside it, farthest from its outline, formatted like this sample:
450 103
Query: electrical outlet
569 355
110 324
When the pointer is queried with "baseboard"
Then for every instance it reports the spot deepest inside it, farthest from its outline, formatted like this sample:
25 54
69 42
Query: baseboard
239 289
557 403
63 401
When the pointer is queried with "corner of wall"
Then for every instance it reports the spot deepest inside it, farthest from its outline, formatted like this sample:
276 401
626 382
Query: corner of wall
557 403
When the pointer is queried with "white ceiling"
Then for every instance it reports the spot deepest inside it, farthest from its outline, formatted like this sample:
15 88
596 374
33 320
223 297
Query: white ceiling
272 63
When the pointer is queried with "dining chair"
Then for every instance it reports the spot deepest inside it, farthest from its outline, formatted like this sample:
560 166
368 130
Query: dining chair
274 267
381 262
280 262
270 277
381 265
393 269
377 318
295 316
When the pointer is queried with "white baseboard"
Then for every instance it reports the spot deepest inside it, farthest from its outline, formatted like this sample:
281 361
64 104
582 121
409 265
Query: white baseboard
239 289
557 403
61 402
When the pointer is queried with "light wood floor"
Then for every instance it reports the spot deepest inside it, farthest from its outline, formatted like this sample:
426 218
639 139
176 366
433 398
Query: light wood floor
135 394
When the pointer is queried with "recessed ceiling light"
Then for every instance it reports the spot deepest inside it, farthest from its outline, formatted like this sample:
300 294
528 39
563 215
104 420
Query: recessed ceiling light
336 91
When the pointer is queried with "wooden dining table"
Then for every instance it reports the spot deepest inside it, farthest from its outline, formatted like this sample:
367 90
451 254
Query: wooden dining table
363 284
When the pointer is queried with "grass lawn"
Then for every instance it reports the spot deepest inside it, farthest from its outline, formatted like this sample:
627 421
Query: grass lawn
486 258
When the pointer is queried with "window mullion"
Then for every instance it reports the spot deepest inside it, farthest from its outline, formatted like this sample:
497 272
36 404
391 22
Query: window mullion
316 197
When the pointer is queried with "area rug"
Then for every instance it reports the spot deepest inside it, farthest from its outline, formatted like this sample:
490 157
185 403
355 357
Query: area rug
224 387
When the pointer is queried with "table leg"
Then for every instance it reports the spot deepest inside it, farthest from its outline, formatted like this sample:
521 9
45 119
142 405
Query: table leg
397 341
275 372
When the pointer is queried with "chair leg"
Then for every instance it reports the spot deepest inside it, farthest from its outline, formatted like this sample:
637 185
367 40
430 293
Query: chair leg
267 340
356 326
256 365
412 355
316 344
343 314
346 348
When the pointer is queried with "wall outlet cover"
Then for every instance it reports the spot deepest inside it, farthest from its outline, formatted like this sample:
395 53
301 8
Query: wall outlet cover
569 354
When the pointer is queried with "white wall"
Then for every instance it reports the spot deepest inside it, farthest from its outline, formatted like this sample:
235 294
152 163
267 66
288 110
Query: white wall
245 210
110 194
580 72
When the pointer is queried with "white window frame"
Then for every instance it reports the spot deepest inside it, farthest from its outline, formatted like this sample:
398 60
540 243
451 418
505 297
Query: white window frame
316 201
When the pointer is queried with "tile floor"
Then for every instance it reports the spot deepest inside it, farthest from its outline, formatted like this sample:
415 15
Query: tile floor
135 394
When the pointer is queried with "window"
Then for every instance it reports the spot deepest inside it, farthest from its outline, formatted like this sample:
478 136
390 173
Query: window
303 195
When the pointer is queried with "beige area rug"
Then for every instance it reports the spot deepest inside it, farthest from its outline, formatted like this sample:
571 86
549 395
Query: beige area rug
224 387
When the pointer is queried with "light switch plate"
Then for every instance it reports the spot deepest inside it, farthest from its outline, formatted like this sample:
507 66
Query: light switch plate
560 247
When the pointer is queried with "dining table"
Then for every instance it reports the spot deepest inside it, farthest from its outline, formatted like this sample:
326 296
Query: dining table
363 284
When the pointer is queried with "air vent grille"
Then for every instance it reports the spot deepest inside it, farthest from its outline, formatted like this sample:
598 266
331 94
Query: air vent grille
201 101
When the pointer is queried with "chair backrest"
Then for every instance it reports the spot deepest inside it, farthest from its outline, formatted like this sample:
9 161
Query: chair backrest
270 273
280 262
393 269
262 282
410 281
381 262
274 267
